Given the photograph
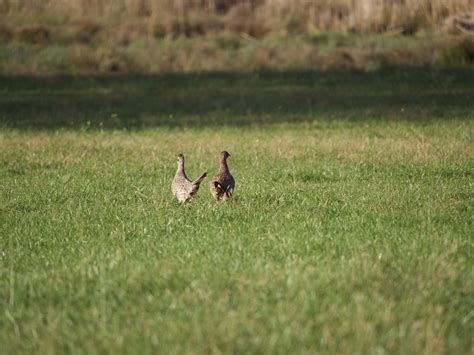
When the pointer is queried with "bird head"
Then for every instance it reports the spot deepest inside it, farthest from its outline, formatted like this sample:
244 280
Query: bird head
224 155
180 158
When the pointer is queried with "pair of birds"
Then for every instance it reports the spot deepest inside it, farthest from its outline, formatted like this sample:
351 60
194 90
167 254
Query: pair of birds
222 185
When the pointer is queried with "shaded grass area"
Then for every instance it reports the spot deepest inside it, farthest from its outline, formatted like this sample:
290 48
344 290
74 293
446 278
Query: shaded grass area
350 230
209 99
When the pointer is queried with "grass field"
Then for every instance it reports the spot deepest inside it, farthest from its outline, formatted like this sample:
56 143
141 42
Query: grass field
350 230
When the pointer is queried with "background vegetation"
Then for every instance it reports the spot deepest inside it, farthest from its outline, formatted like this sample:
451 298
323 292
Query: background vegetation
90 36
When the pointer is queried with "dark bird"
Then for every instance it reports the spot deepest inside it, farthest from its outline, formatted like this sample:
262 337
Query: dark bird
183 188
222 185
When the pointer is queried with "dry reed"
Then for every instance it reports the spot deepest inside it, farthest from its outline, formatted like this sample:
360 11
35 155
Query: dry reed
50 36
195 17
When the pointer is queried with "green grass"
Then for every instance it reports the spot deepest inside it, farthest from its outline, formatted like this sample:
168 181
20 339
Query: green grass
350 230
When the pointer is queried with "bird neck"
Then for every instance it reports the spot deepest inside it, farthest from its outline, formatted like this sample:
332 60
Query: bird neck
180 169
223 166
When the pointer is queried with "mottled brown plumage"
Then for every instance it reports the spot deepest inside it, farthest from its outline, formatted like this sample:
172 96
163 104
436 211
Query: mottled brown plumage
222 185
183 188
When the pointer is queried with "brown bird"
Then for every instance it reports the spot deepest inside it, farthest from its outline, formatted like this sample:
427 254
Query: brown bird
183 188
222 185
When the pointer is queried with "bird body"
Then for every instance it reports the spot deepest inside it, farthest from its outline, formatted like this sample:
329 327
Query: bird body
183 188
222 185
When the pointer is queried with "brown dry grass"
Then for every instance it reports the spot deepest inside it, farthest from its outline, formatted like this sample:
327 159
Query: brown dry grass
253 17
91 36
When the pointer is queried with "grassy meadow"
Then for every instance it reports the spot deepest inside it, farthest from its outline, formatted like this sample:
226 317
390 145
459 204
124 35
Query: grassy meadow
350 230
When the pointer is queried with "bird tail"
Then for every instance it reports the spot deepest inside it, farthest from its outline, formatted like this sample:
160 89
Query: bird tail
199 179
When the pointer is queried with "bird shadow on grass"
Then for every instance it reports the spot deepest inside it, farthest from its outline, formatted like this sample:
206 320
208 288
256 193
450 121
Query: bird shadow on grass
135 101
